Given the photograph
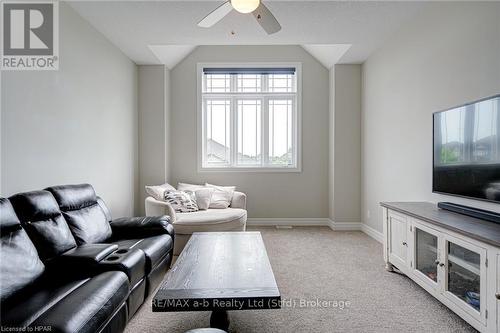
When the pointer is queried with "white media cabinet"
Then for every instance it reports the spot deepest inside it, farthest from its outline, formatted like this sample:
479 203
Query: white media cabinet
454 257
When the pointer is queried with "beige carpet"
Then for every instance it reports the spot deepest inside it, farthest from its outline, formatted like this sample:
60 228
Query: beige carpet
311 263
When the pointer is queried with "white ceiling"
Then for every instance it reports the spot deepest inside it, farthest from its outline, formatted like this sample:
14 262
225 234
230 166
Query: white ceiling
327 54
171 55
155 32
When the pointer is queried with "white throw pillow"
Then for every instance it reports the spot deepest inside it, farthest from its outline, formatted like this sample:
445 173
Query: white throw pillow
222 196
188 187
158 191
204 197
182 201
203 194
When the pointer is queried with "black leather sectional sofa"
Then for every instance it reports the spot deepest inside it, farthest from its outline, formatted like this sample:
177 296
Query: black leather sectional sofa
66 266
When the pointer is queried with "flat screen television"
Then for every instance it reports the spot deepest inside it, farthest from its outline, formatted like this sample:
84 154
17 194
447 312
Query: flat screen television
467 150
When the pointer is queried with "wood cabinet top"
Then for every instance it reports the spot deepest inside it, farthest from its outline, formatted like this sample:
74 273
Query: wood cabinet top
484 231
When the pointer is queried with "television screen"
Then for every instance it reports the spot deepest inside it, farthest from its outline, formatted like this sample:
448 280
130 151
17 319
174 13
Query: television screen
467 150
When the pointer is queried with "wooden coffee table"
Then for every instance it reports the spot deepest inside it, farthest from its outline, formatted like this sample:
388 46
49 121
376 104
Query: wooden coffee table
218 272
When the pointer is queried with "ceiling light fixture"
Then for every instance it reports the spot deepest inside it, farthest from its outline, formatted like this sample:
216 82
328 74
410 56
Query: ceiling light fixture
258 9
245 6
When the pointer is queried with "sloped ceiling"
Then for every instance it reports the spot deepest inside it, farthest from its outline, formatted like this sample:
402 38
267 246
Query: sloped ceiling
328 55
150 32
171 55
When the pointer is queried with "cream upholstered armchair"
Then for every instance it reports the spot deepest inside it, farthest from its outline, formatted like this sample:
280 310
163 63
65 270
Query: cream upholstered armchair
233 218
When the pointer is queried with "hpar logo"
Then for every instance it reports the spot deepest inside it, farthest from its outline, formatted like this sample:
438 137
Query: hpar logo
30 35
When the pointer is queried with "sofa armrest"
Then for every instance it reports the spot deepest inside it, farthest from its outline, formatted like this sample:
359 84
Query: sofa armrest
87 254
157 208
80 261
90 259
141 227
239 200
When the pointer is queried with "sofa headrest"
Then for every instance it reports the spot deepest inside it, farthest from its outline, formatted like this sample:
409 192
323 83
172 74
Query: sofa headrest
73 197
104 208
20 265
8 218
35 206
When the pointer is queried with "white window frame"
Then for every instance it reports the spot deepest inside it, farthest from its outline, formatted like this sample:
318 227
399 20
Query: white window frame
296 135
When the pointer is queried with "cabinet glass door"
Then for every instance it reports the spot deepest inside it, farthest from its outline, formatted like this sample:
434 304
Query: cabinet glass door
466 276
426 254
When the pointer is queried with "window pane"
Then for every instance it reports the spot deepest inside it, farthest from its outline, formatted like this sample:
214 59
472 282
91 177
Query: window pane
249 132
217 128
249 82
280 132
281 83
217 83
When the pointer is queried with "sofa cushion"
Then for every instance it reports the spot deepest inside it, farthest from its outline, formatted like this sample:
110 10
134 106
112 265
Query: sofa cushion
182 201
141 227
104 208
189 187
89 307
204 197
19 262
210 220
89 225
8 218
26 310
154 248
41 218
203 194
158 191
222 196
86 218
73 197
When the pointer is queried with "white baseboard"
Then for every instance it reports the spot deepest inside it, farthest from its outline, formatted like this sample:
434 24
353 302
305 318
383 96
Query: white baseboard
377 235
315 221
287 221
301 222
344 226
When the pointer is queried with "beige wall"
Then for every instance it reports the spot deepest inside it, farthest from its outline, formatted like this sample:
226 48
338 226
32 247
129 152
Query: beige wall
347 144
78 124
303 194
448 56
154 125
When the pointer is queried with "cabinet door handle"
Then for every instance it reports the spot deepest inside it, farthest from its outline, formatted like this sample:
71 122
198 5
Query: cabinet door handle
404 243
436 262
497 295
441 264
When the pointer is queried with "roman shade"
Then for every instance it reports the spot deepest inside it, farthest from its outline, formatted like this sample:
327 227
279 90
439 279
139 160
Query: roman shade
249 70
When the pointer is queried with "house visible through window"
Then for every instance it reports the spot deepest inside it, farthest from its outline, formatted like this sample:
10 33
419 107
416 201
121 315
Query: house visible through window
249 117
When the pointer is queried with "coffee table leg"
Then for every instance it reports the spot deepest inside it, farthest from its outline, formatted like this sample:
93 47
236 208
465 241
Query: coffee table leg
219 319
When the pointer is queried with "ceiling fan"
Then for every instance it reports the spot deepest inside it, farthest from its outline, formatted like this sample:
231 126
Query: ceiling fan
261 13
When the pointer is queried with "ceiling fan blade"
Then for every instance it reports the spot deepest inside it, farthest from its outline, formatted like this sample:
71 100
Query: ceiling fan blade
266 19
216 15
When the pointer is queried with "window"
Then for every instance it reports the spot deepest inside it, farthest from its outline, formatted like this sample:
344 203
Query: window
249 117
